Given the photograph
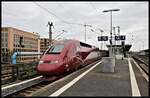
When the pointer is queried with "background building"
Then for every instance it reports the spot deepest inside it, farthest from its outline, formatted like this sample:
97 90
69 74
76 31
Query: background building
44 44
10 42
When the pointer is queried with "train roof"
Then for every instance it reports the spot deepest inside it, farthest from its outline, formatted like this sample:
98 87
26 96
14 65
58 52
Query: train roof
67 41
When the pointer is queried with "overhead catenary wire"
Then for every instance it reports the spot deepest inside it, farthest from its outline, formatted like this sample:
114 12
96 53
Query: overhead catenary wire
51 13
60 5
48 11
63 31
94 31
43 9
59 17
92 5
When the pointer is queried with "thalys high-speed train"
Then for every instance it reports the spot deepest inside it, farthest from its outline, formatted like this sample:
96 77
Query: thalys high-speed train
66 55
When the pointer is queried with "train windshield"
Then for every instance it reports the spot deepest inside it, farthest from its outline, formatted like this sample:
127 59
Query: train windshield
55 49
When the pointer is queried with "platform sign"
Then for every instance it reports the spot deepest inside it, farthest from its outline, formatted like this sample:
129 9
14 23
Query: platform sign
102 38
117 37
122 37
99 38
105 38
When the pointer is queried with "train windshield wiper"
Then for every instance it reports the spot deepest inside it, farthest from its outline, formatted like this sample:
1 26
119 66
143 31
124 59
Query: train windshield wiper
53 53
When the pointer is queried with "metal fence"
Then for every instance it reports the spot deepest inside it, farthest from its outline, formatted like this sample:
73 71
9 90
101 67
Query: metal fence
21 71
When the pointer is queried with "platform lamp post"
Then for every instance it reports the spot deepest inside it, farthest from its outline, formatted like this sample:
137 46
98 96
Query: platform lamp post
118 33
111 10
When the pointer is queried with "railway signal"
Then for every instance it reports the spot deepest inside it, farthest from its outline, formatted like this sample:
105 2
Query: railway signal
21 41
45 43
20 44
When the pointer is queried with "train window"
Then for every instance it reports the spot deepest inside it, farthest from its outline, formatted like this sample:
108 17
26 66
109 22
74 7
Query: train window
92 55
55 49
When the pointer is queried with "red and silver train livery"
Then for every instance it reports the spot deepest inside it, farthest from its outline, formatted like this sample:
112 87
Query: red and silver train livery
66 55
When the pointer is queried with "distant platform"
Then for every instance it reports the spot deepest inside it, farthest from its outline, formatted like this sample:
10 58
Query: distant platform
127 47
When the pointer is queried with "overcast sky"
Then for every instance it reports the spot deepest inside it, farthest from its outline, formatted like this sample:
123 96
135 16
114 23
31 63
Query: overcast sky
132 19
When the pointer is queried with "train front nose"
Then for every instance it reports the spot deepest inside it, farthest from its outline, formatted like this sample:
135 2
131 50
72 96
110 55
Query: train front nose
49 68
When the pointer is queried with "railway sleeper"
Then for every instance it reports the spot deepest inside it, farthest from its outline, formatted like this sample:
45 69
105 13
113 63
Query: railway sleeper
28 91
23 94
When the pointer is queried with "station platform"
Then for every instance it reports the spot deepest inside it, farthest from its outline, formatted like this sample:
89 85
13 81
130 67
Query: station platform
90 81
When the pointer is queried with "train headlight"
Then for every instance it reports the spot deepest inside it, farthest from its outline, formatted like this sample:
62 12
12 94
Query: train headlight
40 62
53 61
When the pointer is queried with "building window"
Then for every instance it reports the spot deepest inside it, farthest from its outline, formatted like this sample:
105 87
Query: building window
6 40
2 40
2 34
2 44
6 45
14 35
6 34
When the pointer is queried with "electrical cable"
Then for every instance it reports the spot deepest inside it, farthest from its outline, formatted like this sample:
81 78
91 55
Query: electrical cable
94 7
51 13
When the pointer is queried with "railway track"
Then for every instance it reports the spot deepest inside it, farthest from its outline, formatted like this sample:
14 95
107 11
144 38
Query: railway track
16 87
144 66
31 89
24 88
28 91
